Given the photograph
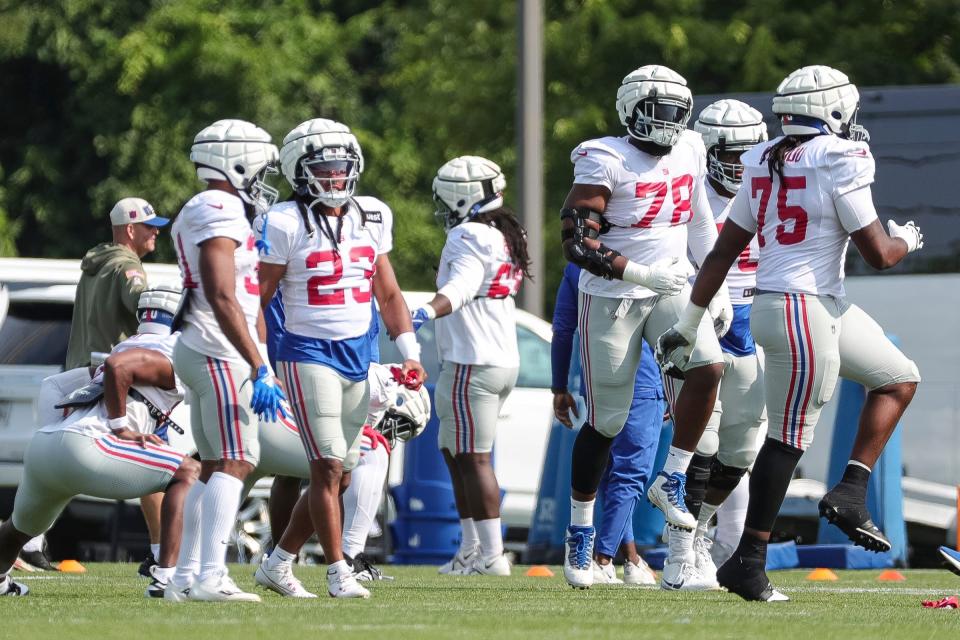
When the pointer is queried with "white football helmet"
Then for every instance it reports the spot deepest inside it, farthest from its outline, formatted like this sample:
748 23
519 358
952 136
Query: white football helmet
465 187
240 152
654 104
819 99
729 125
157 307
322 158
407 414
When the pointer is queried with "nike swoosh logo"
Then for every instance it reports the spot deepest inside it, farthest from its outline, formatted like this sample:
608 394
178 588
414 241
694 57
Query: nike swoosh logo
581 153
217 206
671 585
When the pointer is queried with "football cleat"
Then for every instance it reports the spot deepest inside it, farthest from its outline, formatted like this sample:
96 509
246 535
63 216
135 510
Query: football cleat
951 559
578 560
851 516
499 566
363 569
11 588
459 561
37 559
158 583
705 565
639 573
683 576
667 493
748 579
605 573
144 569
280 579
220 589
177 592
344 585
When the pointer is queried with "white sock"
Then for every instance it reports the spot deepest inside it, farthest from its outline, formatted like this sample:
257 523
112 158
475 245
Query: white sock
34 544
857 463
279 556
491 538
581 513
220 503
706 513
337 569
680 543
361 500
163 573
469 538
188 562
155 550
732 514
677 460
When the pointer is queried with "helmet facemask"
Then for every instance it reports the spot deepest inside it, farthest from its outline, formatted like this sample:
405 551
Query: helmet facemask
446 216
853 131
258 193
724 166
659 120
329 175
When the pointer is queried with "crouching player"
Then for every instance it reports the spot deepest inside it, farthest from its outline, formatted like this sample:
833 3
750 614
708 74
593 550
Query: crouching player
107 445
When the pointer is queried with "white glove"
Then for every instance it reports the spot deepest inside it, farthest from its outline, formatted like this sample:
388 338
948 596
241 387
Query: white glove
909 233
721 310
665 277
675 345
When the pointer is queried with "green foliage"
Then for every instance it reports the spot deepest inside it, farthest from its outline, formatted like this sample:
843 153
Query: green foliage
102 99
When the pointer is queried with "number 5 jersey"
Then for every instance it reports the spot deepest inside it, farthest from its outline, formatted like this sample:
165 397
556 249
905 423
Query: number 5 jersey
476 262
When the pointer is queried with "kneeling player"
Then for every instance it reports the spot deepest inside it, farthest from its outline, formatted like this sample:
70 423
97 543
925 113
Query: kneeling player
107 446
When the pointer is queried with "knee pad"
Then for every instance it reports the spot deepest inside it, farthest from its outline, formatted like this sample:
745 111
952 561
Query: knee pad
591 451
725 477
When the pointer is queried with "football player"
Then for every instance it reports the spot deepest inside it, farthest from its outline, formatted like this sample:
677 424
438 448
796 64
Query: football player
106 442
807 194
326 249
482 265
730 442
638 203
217 355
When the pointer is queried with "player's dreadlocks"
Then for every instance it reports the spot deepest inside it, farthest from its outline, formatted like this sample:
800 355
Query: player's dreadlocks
776 154
513 232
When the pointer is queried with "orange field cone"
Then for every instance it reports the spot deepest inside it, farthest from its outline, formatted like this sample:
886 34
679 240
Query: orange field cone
891 575
71 566
822 574
539 571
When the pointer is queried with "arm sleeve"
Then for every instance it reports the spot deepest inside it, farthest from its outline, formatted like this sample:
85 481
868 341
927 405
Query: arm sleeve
466 278
702 230
855 209
564 325
740 213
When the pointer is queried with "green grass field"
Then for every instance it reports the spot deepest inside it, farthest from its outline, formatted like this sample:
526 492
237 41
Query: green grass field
107 602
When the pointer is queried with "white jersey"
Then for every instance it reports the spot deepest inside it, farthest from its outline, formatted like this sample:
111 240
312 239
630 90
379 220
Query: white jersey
652 202
327 289
801 238
215 214
475 260
742 278
92 421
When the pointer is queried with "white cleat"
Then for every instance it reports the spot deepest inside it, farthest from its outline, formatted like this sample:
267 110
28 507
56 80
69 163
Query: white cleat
158 582
605 573
776 596
499 566
578 559
667 494
220 589
281 580
682 576
459 562
639 573
705 565
175 592
345 585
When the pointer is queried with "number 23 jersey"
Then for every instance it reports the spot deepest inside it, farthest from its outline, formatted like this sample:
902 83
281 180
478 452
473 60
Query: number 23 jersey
802 237
475 260
327 289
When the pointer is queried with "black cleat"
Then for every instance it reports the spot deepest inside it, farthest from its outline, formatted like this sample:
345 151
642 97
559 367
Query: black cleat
148 563
363 569
851 516
15 589
37 559
748 579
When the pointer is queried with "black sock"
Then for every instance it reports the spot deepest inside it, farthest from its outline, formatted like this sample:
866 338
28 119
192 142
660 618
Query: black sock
590 452
751 547
771 475
698 475
854 481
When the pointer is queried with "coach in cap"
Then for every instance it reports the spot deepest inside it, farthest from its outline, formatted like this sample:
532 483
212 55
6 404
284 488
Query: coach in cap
105 308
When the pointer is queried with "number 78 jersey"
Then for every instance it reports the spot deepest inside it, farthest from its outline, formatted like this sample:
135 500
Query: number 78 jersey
327 289
801 235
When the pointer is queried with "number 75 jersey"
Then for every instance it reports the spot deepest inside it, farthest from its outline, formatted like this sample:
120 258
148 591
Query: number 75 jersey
801 235
327 287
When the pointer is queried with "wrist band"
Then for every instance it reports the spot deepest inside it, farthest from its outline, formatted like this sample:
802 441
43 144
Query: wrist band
116 424
408 346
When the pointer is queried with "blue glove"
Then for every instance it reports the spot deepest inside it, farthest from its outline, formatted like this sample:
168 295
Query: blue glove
267 395
421 316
